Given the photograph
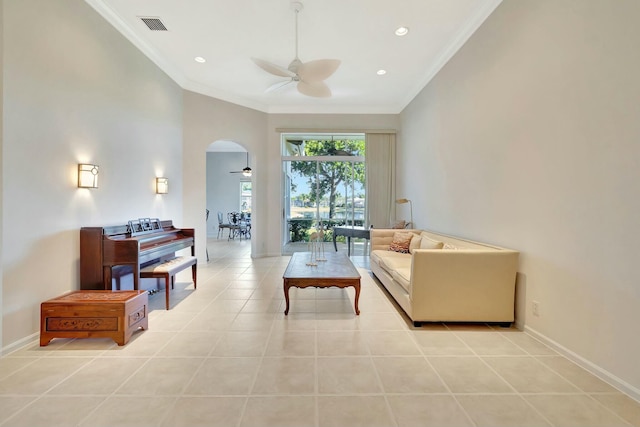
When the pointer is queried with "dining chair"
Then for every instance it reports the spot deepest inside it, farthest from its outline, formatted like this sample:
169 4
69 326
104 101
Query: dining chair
222 225
234 225
207 221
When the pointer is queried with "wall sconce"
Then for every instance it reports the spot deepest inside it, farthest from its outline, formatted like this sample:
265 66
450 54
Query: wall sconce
87 176
402 202
162 185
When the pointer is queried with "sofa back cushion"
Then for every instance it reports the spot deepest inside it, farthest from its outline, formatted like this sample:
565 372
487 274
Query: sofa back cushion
427 242
415 242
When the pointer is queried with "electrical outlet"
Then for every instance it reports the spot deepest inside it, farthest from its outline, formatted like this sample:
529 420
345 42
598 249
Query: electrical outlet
535 305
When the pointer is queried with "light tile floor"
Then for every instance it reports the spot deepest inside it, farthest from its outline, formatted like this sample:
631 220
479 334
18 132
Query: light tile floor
225 355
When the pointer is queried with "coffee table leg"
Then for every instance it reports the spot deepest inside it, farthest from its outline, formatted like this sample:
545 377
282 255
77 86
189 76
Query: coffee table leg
357 286
286 296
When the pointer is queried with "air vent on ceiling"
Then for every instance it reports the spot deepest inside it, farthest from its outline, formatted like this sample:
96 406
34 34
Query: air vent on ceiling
154 24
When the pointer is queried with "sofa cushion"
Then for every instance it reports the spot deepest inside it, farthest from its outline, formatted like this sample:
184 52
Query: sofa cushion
392 263
378 254
401 242
428 243
402 275
415 243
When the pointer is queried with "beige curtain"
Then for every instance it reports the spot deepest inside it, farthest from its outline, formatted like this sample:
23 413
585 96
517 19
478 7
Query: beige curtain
380 160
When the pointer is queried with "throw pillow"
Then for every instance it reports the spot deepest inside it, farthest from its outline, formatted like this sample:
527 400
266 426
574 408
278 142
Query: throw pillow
401 242
415 243
428 243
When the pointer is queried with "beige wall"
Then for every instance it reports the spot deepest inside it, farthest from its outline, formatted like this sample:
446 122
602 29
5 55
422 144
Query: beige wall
529 138
75 90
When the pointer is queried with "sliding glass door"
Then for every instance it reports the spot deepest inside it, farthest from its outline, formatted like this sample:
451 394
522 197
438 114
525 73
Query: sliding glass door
323 186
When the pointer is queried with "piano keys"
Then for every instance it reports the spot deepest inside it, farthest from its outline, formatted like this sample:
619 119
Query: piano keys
114 251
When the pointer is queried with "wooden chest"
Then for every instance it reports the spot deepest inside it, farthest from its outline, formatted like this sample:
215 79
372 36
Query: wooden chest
94 314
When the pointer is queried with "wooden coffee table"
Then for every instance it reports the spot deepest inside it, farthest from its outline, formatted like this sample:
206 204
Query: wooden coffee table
337 270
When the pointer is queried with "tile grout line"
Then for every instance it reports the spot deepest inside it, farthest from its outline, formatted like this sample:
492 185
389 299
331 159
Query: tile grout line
517 392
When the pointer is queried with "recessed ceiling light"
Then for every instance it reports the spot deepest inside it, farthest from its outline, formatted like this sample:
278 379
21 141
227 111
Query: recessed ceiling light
199 59
381 72
402 31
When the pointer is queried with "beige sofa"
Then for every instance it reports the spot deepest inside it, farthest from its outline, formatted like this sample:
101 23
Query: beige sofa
464 281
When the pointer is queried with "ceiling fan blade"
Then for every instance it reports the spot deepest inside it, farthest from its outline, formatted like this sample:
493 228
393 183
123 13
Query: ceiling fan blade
278 85
317 89
246 171
273 68
318 70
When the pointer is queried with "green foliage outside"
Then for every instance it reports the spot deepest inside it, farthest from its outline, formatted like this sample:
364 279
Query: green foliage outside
331 175
300 229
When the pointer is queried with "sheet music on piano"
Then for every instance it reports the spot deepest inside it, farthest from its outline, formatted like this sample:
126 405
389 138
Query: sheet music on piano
144 225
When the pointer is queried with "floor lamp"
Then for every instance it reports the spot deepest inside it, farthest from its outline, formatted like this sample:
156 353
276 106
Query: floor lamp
402 202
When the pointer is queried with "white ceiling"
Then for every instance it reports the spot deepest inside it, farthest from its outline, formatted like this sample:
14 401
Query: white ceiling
360 33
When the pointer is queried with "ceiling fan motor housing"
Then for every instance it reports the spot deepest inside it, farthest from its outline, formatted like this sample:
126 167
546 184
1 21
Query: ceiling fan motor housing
295 64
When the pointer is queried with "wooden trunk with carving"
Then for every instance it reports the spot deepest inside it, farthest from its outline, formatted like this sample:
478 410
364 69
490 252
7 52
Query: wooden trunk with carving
94 314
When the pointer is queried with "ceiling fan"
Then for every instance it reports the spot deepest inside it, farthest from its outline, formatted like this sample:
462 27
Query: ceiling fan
245 171
309 76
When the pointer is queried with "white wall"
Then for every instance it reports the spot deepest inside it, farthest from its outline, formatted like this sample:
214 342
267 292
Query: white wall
529 138
75 90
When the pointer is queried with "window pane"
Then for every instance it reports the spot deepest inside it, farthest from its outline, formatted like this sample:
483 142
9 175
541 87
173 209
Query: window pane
323 145
245 196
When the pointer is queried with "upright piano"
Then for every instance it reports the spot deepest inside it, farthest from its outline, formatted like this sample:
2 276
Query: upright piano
124 249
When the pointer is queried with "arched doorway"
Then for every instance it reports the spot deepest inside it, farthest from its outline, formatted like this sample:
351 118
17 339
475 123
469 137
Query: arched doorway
228 189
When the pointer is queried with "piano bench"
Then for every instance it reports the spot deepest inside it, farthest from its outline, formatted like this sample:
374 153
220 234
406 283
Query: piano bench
168 269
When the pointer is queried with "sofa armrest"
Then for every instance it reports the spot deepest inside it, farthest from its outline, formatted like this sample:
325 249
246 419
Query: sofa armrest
474 285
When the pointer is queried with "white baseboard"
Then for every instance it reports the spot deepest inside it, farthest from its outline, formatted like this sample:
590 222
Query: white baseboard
519 325
19 344
603 374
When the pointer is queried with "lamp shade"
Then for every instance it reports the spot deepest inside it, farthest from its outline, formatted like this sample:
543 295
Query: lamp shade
162 185
87 176
402 202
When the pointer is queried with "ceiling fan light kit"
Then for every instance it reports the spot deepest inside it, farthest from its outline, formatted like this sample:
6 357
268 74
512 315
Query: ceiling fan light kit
309 76
246 171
